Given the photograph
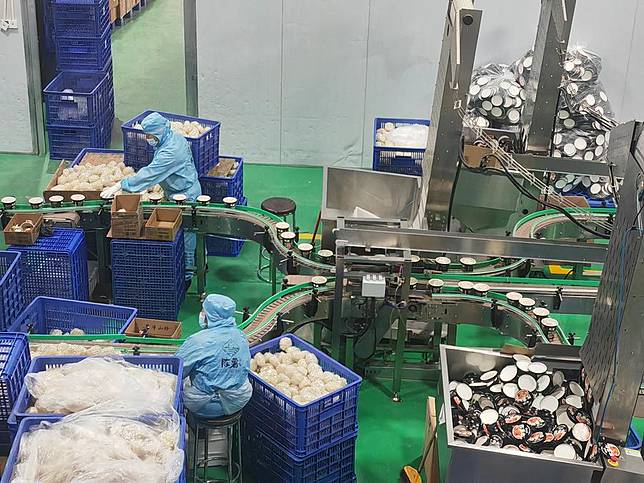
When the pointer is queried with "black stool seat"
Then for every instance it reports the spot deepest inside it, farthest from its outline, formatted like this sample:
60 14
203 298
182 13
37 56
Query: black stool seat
220 422
279 206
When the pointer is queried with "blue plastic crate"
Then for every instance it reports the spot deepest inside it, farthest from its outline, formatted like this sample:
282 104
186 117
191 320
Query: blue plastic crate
205 148
633 440
30 423
81 18
45 314
169 364
11 298
14 363
87 105
55 266
397 160
272 464
303 429
149 275
86 54
219 187
49 36
592 202
221 246
65 142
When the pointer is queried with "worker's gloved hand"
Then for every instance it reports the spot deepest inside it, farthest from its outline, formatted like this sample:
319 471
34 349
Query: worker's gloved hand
108 193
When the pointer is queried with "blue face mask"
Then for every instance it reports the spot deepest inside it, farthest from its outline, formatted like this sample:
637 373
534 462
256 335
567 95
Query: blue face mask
152 142
203 323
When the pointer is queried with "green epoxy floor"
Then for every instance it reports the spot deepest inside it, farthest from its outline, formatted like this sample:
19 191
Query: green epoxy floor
149 74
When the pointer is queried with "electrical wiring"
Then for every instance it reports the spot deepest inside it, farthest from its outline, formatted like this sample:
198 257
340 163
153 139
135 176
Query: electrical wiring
506 159
527 193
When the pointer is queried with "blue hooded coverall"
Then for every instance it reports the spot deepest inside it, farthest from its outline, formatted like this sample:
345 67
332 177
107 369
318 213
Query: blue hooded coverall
216 362
173 168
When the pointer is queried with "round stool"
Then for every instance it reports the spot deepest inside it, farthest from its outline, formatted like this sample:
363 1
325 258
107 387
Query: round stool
201 429
282 207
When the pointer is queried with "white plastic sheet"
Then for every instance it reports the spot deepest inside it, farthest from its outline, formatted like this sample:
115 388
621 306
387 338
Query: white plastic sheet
78 386
111 443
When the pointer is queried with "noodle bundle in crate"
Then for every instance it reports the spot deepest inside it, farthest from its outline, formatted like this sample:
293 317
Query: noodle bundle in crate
301 429
48 391
394 156
158 453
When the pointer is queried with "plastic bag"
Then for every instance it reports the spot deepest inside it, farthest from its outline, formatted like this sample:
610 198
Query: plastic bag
495 98
407 136
111 443
584 116
522 68
81 385
593 187
581 65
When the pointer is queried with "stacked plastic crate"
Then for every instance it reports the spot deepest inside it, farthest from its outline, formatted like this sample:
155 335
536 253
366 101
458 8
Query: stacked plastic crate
80 100
288 441
55 266
149 275
218 188
14 363
391 159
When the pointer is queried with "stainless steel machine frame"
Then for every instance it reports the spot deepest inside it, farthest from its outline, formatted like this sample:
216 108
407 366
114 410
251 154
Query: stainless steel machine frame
551 43
612 354
452 83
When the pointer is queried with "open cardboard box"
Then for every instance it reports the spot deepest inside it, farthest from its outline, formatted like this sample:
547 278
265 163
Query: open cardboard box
163 224
23 237
89 195
127 216
164 329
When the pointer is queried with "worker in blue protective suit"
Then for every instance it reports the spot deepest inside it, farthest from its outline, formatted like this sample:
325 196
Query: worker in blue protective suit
216 362
172 167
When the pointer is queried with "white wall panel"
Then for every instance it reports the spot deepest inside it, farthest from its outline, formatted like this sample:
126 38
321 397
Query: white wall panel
606 28
323 81
632 104
508 29
239 59
15 128
404 47
300 82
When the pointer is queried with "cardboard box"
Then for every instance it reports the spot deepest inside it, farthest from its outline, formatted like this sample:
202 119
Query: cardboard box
125 7
127 216
23 237
163 329
163 224
89 195
432 473
473 156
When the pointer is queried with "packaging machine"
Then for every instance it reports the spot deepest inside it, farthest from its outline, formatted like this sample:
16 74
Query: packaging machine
401 282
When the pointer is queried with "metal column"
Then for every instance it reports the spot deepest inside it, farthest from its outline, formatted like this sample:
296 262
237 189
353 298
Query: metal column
200 262
401 335
444 141
542 89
